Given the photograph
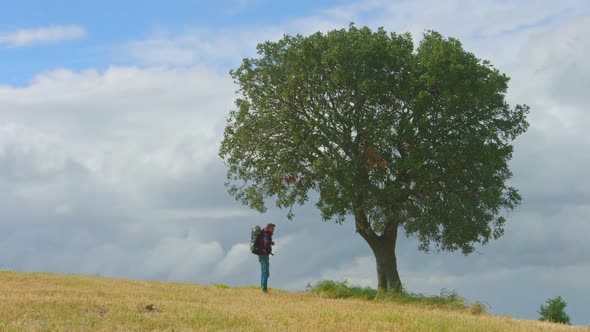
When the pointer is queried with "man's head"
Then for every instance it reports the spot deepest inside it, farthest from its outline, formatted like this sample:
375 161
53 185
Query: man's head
270 227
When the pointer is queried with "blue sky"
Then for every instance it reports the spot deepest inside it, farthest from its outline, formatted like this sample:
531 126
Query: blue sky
110 23
111 114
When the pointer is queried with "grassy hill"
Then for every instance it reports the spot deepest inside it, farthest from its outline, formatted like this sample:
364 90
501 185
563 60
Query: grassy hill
51 302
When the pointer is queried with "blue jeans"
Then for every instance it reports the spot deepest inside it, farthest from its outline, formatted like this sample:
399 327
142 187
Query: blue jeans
264 267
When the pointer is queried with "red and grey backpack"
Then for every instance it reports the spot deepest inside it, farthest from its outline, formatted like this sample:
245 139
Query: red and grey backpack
255 240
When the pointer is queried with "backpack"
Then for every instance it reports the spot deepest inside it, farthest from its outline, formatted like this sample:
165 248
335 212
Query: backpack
255 240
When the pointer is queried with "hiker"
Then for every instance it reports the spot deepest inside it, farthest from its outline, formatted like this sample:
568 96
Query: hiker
265 245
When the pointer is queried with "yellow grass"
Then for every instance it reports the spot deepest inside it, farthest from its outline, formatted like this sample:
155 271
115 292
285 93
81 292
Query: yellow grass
51 302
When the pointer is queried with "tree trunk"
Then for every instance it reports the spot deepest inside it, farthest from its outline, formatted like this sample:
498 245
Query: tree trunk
387 276
383 247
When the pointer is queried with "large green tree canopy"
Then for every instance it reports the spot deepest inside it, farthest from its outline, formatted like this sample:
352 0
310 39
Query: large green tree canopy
393 135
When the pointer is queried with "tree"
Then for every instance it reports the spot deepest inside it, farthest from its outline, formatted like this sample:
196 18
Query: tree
392 136
554 311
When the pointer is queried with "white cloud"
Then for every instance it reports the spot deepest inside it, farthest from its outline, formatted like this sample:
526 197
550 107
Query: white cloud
196 46
46 35
127 125
180 258
359 272
87 157
26 153
161 50
235 260
479 25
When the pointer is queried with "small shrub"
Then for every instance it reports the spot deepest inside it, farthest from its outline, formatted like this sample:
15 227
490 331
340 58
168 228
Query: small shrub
222 286
335 289
554 311
478 308
446 299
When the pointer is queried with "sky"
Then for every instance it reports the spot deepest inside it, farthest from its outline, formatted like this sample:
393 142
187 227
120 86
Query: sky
111 115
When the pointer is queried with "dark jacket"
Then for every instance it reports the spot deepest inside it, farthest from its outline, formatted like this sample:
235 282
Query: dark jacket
266 241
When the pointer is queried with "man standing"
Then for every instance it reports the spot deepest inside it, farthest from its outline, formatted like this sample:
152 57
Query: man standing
265 245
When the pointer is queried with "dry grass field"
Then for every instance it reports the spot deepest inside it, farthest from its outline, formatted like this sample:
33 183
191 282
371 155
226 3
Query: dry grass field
51 302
